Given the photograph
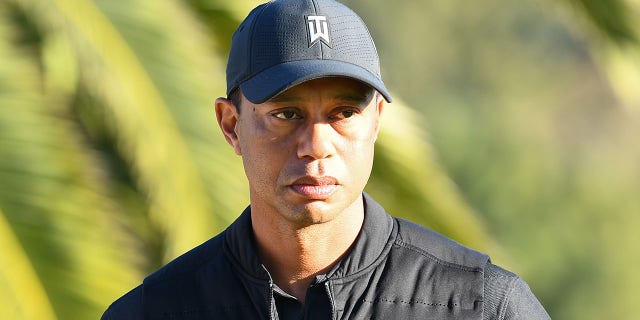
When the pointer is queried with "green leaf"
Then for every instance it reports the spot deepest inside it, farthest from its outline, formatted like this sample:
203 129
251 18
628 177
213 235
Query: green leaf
22 293
65 245
613 18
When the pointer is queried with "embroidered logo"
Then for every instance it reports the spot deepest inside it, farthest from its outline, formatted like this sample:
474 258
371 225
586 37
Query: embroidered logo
318 29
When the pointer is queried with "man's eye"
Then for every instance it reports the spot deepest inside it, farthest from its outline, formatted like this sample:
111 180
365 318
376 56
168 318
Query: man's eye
287 115
344 114
347 113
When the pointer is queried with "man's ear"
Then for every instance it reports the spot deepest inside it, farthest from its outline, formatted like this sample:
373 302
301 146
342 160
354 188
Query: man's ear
379 108
380 101
228 117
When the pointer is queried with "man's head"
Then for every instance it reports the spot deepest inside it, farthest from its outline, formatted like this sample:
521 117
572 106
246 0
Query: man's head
306 75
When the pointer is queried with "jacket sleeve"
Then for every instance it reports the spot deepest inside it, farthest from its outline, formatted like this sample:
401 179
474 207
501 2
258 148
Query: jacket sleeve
508 297
128 307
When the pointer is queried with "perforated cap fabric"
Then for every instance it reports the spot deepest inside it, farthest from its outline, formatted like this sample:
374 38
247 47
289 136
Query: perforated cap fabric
283 43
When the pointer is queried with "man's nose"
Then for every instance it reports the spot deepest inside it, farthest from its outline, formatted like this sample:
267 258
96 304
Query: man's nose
316 141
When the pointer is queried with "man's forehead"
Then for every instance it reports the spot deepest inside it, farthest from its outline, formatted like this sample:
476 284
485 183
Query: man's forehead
344 89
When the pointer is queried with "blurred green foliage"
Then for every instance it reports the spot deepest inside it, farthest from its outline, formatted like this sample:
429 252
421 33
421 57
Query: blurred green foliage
521 131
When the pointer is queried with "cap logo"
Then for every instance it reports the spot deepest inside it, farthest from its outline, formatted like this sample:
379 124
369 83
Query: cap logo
318 29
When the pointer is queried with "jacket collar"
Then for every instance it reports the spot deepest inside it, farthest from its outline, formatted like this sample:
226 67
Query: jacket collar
241 249
374 240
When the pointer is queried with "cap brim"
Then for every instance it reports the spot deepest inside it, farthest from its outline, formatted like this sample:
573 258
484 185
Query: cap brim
272 81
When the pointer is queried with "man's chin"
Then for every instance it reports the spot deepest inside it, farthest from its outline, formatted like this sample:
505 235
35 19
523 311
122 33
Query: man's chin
312 212
305 211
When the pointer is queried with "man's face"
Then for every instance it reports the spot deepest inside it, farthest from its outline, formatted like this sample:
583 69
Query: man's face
307 152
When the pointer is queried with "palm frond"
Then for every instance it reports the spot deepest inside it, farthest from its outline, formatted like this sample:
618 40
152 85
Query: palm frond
411 184
55 207
22 291
617 50
615 19
148 135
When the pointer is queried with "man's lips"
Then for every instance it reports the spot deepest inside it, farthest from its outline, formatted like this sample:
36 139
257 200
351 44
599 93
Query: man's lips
315 187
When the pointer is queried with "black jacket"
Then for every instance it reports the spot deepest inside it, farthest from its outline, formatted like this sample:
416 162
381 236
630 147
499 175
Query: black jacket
395 270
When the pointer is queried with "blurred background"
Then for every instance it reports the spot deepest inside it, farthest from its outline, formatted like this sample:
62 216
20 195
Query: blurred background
514 131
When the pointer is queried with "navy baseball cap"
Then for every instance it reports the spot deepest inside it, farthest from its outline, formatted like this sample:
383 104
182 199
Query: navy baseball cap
283 43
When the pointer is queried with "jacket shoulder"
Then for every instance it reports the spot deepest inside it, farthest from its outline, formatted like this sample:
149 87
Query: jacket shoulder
127 307
507 296
188 262
170 276
438 247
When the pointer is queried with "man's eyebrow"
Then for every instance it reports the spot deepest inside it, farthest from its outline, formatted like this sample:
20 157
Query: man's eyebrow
284 97
353 97
360 97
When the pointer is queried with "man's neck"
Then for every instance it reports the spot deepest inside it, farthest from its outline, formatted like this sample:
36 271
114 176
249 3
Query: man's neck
294 255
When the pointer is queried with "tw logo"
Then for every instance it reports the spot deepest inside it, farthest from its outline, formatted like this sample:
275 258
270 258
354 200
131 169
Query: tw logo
318 29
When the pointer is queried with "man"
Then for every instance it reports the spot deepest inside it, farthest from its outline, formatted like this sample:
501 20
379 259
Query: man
304 101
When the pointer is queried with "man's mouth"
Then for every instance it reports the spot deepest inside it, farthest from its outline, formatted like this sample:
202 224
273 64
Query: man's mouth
317 188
